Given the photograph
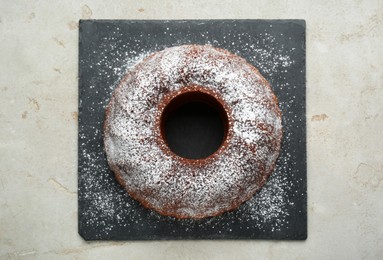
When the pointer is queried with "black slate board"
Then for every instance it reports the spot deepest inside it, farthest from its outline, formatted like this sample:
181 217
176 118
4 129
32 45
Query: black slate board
109 47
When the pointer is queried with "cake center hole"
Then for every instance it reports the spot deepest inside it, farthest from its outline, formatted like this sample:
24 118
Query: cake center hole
194 125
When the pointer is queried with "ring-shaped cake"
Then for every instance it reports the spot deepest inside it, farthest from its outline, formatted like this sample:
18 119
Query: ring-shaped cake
136 146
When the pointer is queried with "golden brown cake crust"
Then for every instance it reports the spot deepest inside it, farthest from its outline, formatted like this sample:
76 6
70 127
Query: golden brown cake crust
183 188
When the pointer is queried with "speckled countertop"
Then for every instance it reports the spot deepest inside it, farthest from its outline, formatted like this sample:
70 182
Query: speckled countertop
38 129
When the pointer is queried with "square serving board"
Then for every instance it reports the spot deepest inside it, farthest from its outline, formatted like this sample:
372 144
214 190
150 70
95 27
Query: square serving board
108 48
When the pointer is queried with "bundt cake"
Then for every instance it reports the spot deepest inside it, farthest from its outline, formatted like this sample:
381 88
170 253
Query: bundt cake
136 146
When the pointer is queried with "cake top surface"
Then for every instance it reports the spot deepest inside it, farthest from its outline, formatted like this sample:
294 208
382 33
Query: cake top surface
199 187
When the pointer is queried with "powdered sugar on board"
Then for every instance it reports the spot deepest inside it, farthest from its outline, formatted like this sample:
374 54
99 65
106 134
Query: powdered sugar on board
105 207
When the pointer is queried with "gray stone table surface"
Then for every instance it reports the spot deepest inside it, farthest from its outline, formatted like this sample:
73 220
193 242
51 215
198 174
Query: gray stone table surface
38 129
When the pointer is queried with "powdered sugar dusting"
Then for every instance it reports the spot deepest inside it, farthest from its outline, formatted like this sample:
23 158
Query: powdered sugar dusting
161 181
